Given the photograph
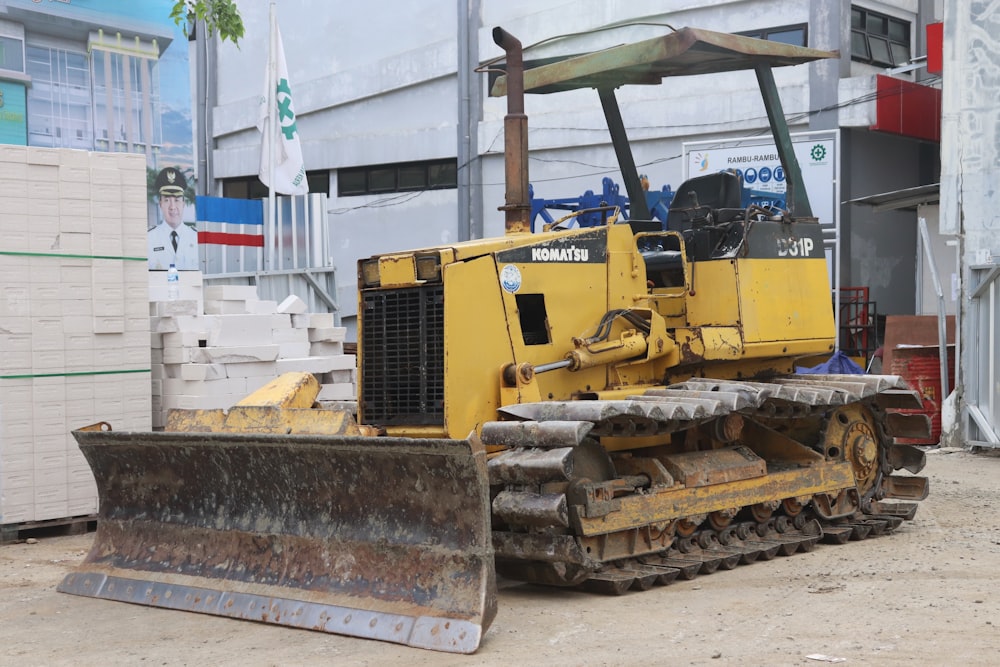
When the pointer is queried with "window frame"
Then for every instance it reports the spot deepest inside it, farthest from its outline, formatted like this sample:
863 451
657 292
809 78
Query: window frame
866 32
392 180
763 33
3 50
250 187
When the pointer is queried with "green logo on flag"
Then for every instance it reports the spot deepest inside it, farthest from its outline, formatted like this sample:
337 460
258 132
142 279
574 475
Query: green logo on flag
285 112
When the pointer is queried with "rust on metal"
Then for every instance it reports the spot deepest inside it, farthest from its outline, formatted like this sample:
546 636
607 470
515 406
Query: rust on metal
547 435
531 509
531 466
694 469
683 52
906 457
908 425
906 488
394 527
517 203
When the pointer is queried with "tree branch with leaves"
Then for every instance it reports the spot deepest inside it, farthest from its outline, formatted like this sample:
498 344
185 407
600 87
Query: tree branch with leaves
220 16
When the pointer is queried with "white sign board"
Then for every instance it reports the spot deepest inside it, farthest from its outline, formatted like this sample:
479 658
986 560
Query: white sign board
758 165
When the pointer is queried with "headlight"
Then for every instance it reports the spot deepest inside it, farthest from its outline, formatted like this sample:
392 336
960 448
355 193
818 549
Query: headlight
369 273
429 268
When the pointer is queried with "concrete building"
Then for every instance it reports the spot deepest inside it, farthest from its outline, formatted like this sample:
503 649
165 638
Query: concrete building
96 76
397 127
970 155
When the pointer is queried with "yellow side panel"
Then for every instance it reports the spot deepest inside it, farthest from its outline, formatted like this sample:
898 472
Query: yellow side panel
778 299
476 344
715 299
575 300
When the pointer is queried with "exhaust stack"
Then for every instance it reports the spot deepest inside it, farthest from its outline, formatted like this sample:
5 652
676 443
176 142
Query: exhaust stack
517 206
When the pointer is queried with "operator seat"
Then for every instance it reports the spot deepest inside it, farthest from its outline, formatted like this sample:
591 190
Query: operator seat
717 197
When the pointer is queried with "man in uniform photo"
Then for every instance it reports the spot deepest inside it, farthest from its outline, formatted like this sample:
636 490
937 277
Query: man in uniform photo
171 241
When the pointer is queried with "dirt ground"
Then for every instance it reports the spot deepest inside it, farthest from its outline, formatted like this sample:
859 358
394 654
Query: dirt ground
923 596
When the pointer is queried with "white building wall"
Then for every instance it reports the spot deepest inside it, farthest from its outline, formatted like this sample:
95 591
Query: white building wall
379 84
970 200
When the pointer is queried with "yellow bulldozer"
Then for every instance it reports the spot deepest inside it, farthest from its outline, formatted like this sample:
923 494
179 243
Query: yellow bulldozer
609 407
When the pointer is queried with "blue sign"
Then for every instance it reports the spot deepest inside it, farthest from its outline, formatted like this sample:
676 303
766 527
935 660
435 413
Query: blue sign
750 175
765 174
779 173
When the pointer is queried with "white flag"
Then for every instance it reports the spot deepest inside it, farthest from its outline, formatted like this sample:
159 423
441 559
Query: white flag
289 169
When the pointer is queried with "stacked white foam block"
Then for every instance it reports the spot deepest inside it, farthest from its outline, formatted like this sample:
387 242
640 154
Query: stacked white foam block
215 344
74 323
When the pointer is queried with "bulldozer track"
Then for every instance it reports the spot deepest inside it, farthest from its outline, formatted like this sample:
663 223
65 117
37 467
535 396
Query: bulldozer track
763 543
552 453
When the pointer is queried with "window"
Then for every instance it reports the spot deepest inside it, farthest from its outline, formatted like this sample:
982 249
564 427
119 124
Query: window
319 182
250 187
796 35
59 101
11 54
879 39
404 177
126 102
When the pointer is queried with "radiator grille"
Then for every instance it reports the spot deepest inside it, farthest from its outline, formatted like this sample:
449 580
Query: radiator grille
402 356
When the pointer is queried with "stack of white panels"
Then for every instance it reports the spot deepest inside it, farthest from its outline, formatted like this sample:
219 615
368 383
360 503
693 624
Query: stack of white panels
74 324
212 356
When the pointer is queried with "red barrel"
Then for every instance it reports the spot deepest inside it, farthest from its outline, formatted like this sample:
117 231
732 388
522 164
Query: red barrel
921 368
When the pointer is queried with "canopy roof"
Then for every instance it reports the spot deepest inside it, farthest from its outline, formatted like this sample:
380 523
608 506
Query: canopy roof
684 52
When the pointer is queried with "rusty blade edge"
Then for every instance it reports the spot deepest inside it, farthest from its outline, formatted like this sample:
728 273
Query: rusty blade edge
436 633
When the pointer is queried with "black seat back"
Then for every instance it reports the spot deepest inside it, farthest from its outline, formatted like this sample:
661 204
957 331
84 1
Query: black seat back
697 196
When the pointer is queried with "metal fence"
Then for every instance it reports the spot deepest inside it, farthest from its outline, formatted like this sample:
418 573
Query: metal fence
237 248
982 400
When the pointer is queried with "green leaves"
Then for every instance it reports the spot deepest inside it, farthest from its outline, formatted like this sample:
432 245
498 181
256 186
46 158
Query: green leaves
220 16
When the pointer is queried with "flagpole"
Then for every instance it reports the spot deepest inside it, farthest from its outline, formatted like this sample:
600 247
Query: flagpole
272 130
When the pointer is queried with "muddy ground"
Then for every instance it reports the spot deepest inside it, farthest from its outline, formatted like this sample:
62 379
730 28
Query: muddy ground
926 595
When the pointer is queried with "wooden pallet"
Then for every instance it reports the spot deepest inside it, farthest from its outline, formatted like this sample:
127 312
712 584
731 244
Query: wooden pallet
12 533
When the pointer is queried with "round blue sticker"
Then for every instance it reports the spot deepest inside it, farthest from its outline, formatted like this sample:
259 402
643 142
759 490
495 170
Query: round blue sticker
750 175
510 278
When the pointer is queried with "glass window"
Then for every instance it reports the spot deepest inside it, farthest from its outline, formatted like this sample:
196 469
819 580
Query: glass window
443 175
413 177
126 102
900 53
899 31
794 36
880 50
875 24
319 181
248 187
859 46
235 189
879 39
58 100
409 176
788 34
382 179
351 182
11 54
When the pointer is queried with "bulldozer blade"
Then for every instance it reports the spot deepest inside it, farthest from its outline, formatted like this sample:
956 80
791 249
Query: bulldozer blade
382 538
